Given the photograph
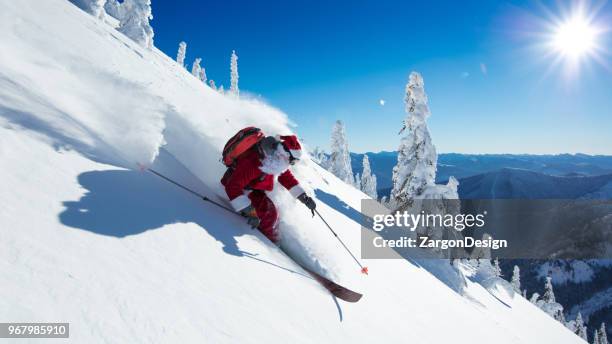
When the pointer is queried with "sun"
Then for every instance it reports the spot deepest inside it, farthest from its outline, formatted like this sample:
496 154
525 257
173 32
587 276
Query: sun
575 37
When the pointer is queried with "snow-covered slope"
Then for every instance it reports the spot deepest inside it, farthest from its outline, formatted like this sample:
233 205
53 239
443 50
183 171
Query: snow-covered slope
126 257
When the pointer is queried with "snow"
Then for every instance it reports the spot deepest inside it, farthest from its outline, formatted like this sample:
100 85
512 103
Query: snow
276 162
126 257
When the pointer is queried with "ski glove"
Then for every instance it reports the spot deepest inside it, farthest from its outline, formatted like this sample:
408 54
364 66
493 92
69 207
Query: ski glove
308 202
251 216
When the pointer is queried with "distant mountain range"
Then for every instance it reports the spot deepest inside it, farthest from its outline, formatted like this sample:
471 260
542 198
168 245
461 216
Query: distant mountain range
508 183
514 174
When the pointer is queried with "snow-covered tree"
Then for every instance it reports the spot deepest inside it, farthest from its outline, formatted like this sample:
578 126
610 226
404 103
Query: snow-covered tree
113 8
195 68
535 297
549 294
93 7
319 156
603 336
180 56
548 303
580 328
340 159
221 90
211 82
516 279
496 268
133 16
525 293
415 171
203 75
234 74
384 201
558 313
596 337
417 158
368 180
358 182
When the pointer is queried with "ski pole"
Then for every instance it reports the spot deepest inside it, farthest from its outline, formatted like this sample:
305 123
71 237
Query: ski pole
204 198
364 269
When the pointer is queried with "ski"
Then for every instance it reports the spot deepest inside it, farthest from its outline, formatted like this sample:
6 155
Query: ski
335 289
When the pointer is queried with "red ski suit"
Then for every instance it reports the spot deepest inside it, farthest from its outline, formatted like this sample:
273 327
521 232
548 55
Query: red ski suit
246 185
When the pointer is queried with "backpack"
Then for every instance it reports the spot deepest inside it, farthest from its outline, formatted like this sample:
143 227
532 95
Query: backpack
240 143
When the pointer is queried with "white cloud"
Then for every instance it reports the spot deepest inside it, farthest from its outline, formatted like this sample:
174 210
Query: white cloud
381 102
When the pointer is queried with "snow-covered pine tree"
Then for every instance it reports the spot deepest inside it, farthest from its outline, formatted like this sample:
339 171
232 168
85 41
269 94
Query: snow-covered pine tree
340 159
525 293
221 90
373 187
358 182
195 68
516 279
496 268
549 294
558 314
234 74
417 158
180 55
318 155
93 7
203 75
133 16
384 201
603 336
548 303
596 337
368 180
211 82
113 8
579 328
535 297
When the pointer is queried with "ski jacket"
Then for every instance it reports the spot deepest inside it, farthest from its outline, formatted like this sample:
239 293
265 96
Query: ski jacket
247 175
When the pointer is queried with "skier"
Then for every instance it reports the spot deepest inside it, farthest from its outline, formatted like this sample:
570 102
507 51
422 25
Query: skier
253 162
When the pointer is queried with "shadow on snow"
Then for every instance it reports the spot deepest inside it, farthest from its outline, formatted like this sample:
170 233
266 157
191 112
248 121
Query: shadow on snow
125 202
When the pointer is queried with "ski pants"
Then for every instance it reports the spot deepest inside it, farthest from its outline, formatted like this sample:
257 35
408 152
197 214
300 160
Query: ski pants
267 214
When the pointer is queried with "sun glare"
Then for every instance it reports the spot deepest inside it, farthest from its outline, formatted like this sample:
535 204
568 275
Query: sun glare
575 37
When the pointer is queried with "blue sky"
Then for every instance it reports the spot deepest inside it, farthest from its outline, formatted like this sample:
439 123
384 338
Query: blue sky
320 61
